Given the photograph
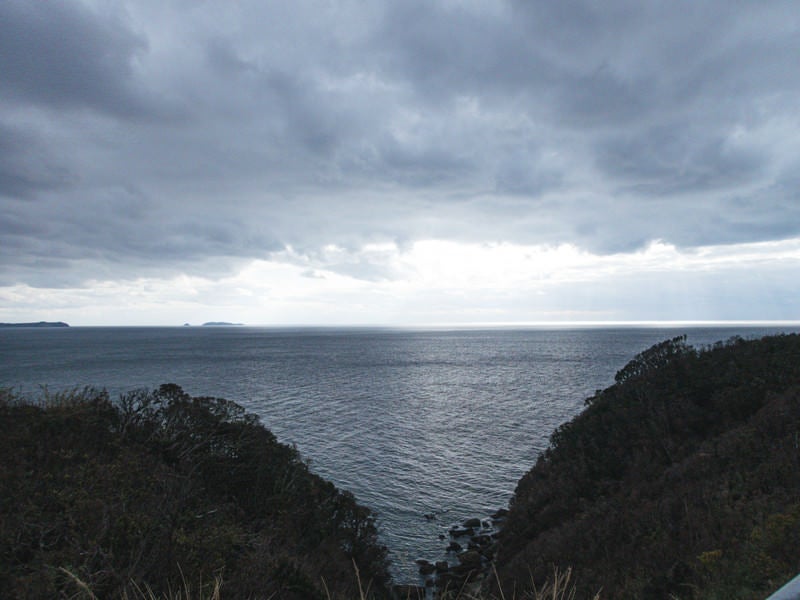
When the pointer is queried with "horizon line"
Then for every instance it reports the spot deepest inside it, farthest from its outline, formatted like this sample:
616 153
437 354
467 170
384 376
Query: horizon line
491 324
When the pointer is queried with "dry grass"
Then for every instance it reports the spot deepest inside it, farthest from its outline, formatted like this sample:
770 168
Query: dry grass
144 592
559 587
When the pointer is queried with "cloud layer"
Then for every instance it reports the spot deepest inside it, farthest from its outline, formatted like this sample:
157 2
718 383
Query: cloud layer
159 140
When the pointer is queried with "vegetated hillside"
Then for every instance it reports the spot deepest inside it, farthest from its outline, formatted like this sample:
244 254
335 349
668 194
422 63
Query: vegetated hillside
680 480
166 492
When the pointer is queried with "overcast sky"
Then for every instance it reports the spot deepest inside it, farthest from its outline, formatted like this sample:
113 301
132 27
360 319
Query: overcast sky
399 162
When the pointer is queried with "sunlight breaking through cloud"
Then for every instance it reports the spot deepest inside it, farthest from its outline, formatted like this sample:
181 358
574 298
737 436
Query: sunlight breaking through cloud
436 281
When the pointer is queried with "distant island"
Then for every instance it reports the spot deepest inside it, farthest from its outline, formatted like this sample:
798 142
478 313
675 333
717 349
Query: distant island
38 324
221 324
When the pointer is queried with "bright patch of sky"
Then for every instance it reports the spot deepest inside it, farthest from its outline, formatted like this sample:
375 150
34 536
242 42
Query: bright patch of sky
433 283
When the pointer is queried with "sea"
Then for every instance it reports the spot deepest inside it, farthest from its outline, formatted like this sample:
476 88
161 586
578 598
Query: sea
427 427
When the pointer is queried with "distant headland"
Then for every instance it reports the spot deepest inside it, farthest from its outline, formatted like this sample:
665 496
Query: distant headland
222 324
38 324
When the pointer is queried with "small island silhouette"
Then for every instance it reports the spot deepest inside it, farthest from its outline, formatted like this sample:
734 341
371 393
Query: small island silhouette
37 324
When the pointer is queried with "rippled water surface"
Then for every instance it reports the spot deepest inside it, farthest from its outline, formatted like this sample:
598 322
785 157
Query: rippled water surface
414 423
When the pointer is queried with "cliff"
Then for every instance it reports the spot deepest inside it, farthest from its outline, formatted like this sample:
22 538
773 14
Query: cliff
680 480
170 495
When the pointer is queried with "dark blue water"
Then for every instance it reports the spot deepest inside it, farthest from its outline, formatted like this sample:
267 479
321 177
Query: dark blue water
413 422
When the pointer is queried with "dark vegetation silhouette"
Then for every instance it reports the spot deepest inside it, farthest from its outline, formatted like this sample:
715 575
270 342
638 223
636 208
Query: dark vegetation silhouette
681 480
163 492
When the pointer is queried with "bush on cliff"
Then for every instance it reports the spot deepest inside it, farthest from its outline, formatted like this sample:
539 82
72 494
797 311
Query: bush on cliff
680 480
163 491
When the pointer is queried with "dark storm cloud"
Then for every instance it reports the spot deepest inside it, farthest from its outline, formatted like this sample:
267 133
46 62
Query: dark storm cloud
148 137
65 56
671 159
26 166
648 95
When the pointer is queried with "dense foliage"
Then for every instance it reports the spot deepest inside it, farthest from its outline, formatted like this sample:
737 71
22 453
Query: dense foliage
161 491
680 480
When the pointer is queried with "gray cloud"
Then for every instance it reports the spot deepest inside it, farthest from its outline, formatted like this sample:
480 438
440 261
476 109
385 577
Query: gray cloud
65 56
672 159
26 166
149 138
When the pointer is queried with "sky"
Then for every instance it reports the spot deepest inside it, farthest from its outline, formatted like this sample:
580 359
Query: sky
399 162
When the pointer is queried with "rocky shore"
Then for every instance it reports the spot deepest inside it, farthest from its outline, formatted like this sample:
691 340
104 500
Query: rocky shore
470 551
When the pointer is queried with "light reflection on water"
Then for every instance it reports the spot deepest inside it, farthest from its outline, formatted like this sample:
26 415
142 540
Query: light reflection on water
412 422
